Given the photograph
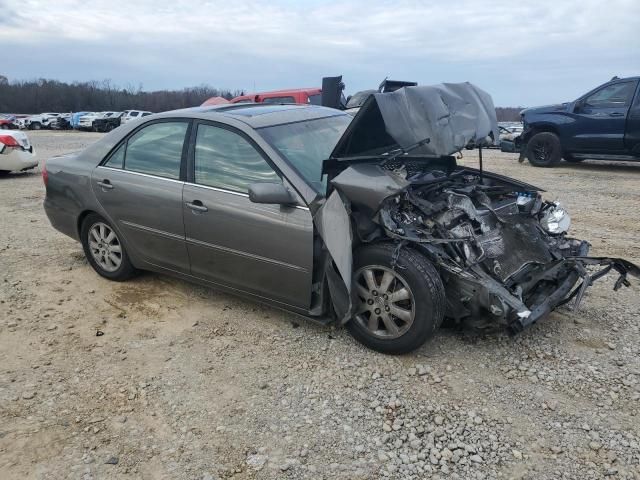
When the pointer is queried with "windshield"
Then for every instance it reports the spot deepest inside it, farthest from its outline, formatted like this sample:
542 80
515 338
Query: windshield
305 145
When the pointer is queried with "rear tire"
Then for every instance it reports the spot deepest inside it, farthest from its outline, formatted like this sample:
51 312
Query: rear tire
104 249
35 126
544 150
401 306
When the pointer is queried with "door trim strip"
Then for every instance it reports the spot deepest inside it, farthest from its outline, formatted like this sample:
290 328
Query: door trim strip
252 256
154 231
141 174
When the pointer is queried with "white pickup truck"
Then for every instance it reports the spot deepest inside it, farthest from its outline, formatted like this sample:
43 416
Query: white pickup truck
42 120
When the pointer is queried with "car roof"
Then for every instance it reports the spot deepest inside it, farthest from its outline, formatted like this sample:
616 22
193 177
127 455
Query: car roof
258 115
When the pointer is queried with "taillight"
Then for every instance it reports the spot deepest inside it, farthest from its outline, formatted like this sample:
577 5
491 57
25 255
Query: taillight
9 141
45 174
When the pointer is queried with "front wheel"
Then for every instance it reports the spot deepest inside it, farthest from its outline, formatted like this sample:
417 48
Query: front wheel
544 150
104 249
400 305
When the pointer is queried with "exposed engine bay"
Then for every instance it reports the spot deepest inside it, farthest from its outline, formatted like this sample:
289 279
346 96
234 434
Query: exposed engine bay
502 251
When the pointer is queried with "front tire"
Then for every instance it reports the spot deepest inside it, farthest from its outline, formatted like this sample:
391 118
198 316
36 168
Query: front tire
104 249
400 306
35 126
544 150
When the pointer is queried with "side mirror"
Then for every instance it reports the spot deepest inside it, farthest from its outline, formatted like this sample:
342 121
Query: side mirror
579 105
272 193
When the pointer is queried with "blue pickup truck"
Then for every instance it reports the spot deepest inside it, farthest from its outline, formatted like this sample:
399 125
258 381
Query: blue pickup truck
603 124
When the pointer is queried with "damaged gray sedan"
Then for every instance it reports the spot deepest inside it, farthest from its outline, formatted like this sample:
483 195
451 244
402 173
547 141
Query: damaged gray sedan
366 221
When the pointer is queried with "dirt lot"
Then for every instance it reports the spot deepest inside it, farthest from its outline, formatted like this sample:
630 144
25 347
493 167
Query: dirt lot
189 383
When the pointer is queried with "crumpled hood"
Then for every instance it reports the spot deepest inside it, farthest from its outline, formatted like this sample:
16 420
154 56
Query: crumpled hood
450 115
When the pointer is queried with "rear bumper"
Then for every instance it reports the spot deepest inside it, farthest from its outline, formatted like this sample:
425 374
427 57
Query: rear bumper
16 160
61 219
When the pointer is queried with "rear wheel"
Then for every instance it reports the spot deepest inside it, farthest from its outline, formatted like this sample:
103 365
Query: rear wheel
400 306
35 126
104 249
544 150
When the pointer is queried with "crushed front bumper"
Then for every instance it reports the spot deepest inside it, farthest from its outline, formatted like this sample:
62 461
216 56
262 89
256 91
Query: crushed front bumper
481 301
567 290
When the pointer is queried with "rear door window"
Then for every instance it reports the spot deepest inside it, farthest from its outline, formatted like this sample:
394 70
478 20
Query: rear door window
156 149
226 160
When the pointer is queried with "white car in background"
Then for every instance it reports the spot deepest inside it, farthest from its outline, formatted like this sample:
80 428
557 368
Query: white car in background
129 115
16 152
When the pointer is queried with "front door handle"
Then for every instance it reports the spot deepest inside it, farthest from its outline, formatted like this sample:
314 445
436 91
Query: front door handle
616 114
197 206
105 184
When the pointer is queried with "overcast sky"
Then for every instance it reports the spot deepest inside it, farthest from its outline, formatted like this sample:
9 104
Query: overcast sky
522 52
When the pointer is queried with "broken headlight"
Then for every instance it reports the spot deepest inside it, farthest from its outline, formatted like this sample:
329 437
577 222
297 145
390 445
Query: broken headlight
555 219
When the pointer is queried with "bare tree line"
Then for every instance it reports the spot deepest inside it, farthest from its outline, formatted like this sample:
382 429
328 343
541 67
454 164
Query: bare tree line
35 96
508 114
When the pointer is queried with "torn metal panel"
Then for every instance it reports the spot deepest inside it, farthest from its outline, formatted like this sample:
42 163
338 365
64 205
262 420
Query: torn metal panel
368 184
334 227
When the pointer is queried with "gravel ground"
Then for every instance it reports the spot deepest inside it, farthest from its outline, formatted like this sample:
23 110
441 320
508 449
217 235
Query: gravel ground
158 378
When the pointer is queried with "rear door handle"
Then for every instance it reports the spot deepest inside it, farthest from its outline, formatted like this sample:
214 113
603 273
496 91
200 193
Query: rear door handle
105 184
197 206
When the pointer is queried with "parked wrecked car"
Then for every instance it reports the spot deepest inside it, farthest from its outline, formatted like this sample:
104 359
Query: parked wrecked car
367 221
16 152
107 124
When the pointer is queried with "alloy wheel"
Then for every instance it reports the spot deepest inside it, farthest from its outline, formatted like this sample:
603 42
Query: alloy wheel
105 247
387 307
542 151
